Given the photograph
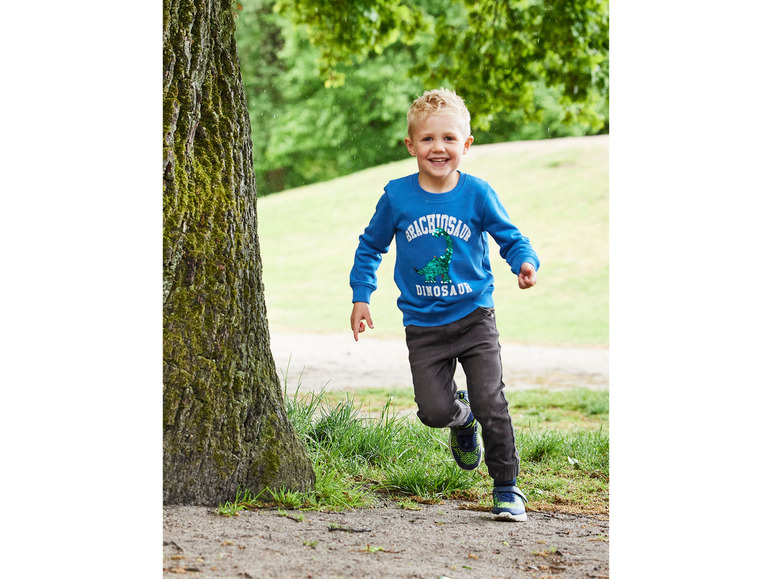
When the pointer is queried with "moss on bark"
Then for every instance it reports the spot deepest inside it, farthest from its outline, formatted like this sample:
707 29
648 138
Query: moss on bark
224 422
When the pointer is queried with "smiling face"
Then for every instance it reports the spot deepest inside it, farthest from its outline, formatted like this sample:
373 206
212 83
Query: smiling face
438 142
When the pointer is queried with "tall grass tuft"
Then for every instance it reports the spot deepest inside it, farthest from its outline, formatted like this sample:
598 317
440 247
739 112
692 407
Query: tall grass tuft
359 457
540 446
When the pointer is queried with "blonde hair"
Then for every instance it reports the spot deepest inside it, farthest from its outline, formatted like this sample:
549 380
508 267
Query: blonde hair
439 101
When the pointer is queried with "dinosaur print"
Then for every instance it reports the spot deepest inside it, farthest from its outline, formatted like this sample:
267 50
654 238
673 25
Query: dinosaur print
439 266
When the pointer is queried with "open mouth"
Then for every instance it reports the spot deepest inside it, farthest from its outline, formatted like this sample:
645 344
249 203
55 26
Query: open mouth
438 162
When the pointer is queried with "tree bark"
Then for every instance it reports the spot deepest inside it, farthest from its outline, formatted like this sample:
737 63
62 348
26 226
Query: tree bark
224 423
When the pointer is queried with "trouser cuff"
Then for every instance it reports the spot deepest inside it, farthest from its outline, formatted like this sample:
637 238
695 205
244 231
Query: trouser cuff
504 473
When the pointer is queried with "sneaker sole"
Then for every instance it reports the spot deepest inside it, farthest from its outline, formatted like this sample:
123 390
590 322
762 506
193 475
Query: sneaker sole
507 516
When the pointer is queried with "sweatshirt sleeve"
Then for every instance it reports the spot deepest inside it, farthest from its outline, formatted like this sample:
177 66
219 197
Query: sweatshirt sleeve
373 243
514 247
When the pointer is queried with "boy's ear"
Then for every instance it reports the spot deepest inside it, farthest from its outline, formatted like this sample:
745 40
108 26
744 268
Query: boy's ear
468 143
409 145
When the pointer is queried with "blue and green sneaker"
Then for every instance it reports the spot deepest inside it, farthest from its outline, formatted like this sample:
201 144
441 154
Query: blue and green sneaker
465 441
508 504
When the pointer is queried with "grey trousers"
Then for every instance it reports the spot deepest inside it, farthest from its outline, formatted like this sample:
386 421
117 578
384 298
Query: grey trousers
474 342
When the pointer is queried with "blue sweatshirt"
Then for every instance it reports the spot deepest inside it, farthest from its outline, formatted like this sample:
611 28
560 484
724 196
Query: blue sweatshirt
442 269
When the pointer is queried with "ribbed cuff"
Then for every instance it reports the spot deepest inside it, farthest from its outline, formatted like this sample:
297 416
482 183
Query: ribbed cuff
361 294
506 483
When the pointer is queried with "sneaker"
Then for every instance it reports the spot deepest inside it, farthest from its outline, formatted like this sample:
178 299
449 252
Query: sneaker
465 441
508 504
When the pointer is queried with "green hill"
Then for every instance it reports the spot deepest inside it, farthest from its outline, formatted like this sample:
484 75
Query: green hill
556 192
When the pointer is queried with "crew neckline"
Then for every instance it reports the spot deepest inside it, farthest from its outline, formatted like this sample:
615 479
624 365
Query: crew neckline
445 195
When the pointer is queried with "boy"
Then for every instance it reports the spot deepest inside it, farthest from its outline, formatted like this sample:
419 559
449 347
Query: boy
439 217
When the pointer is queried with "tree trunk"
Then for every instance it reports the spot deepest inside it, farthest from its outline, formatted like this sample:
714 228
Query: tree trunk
225 426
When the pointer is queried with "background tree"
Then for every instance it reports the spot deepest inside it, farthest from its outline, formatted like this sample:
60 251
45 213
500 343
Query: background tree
494 52
224 423
502 51
303 130
328 83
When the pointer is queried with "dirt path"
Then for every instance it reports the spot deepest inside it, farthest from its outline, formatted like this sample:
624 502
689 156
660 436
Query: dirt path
436 541
445 540
339 363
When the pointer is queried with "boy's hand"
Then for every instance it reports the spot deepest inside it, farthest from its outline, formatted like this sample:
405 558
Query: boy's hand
359 315
527 276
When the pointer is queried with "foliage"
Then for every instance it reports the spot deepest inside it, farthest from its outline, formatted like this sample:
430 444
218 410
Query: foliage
503 51
346 31
494 52
260 38
328 84
324 132
303 129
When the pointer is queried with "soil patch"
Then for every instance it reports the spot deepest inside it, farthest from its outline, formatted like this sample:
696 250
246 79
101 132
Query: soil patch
440 540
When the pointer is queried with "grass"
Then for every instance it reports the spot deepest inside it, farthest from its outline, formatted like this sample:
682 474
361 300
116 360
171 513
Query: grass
361 457
530 409
556 192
